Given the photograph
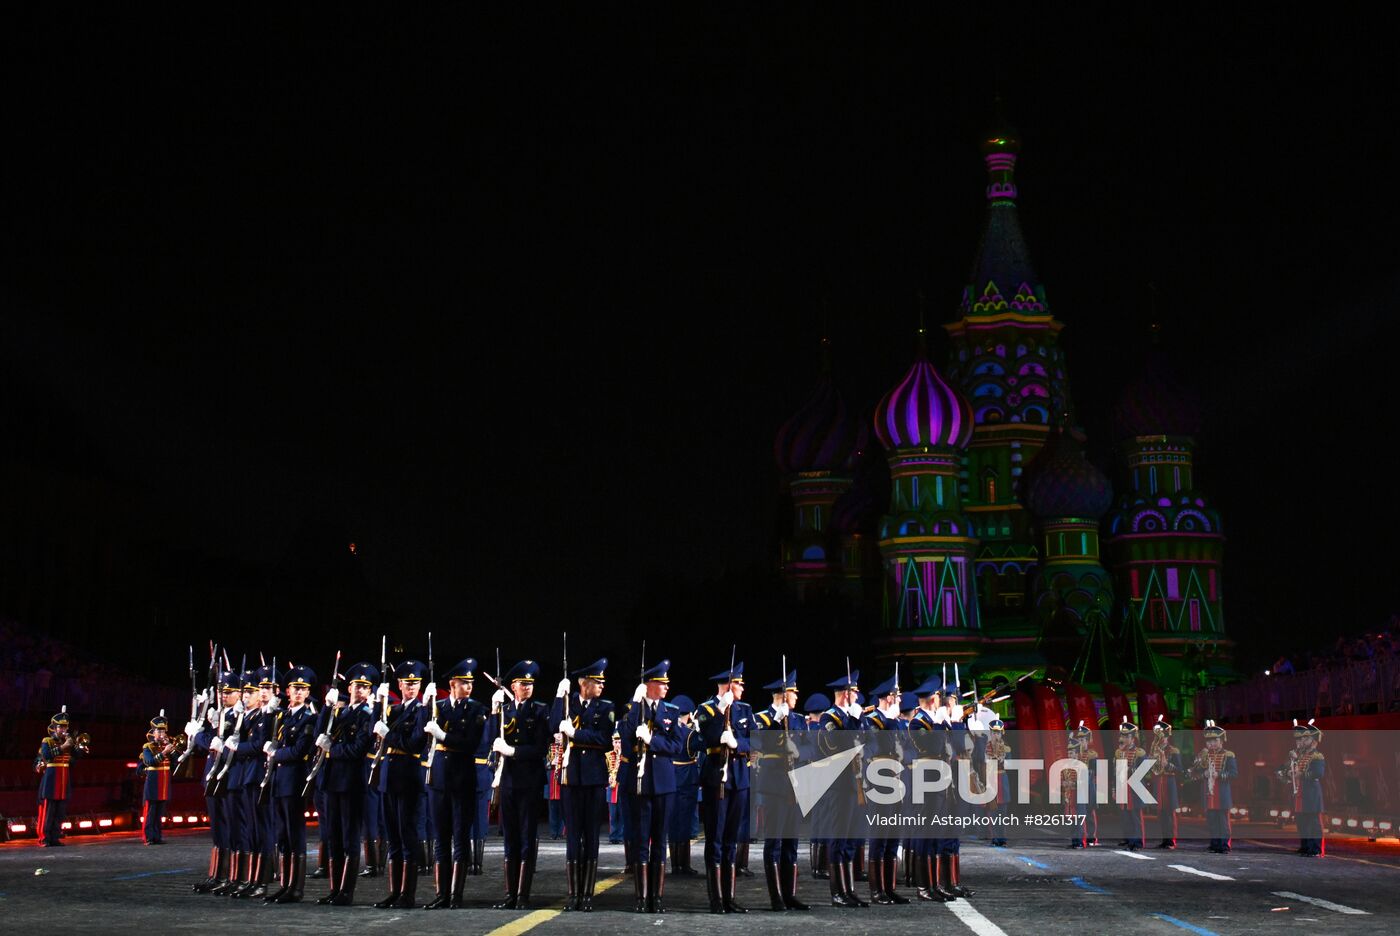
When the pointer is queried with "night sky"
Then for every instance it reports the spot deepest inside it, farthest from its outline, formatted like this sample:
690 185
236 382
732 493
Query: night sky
520 306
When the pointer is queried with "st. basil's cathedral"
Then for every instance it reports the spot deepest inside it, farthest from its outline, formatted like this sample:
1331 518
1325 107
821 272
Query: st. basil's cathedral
1001 547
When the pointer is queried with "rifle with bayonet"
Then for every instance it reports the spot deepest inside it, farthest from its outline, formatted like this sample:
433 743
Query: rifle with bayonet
567 745
225 760
500 714
320 760
381 749
728 721
432 744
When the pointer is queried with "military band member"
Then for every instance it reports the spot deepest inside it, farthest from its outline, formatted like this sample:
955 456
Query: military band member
456 731
156 758
1167 769
724 722
818 850
1215 767
588 728
55 758
928 734
845 795
290 753
616 826
883 728
683 810
521 729
777 800
649 732
221 719
345 740
1129 755
1304 772
1079 747
401 782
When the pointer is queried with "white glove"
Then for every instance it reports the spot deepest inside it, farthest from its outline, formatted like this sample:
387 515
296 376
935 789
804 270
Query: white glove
383 690
498 701
640 692
566 727
563 689
940 715
644 734
324 742
854 710
272 703
381 728
892 711
332 696
974 724
232 745
212 716
239 707
270 747
726 700
500 747
957 713
191 729
781 711
216 745
434 729
727 738
429 693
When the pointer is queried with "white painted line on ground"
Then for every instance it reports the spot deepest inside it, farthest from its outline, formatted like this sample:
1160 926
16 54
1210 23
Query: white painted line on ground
1133 854
1319 902
1205 874
974 920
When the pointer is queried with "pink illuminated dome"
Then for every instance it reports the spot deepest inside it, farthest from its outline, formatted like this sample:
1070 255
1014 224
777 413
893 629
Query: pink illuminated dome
923 409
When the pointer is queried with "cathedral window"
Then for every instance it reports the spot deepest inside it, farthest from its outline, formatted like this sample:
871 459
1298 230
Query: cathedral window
1210 578
1157 614
1195 612
1133 583
1173 585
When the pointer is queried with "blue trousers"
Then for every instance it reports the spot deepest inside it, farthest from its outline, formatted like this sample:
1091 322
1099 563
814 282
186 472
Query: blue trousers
150 825
1132 825
617 824
244 801
683 814
520 824
403 823
291 825
342 823
218 821
481 822
583 806
1218 826
722 816
650 813
373 814
453 813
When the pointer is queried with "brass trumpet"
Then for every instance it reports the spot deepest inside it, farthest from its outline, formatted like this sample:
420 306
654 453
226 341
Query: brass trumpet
82 743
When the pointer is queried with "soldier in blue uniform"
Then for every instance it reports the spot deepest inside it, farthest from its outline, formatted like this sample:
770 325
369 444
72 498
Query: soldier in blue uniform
337 691
1167 769
290 753
456 730
521 731
250 763
221 719
818 850
156 757
883 743
376 845
950 846
264 803
1130 810
1215 767
928 735
401 782
908 705
1304 772
346 739
839 727
485 772
724 721
651 738
243 753
683 810
55 758
587 728
777 801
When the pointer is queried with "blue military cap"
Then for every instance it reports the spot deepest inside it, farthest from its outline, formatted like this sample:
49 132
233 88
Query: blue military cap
410 671
884 689
928 687
250 679
365 673
524 671
817 702
301 676
850 681
229 681
465 669
595 670
267 676
658 673
908 701
684 703
725 675
787 684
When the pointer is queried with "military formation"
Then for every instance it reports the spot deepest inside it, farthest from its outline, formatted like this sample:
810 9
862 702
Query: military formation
401 776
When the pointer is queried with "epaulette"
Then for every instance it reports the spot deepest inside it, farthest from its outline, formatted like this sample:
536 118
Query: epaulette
763 717
1228 753
1317 755
709 710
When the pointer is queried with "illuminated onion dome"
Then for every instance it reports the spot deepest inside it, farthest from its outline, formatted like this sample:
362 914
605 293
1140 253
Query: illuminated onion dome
923 409
1156 403
1061 482
821 436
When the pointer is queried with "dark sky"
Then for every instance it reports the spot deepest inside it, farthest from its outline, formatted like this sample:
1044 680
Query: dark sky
521 304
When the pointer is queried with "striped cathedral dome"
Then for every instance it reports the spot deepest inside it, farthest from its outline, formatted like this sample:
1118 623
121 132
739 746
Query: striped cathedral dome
821 436
923 409
1061 482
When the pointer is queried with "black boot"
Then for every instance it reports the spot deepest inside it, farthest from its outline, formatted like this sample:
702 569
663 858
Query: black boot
230 883
926 876
822 869
408 896
337 872
629 863
459 881
589 882
787 886
656 885
891 870
741 867
395 875
848 876
349 874
878 894
266 862
284 877
478 852
639 882
838 889
954 878
245 890
426 858
686 867
859 864
940 877
512 885
571 869
442 886
527 876
908 867
297 887
211 878
713 890
322 857
371 868
775 893
728 877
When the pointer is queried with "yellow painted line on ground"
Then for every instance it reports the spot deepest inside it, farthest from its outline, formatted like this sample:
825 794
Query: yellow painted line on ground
531 920
1330 856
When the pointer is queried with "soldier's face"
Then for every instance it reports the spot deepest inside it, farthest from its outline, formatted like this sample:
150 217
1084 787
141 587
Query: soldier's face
523 689
408 689
359 692
159 734
657 690
265 693
249 695
461 688
1215 744
298 694
589 688
790 697
738 689
230 698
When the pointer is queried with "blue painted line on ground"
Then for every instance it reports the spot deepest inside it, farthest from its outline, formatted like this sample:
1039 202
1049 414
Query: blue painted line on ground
146 874
1033 863
1091 888
1198 930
